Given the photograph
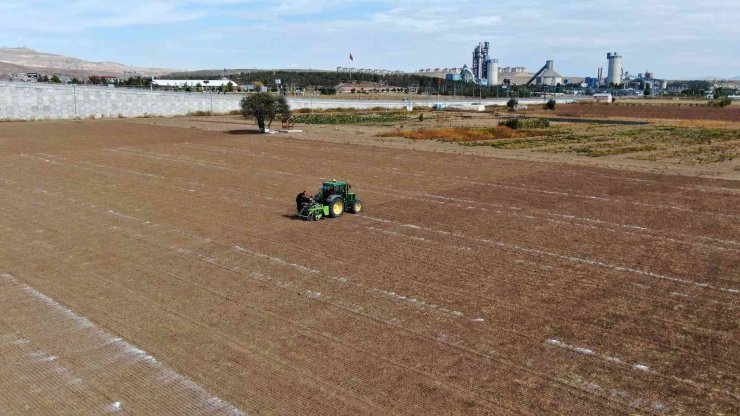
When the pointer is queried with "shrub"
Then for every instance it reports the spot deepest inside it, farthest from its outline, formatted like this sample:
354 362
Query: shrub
722 102
525 123
550 105
512 103
200 113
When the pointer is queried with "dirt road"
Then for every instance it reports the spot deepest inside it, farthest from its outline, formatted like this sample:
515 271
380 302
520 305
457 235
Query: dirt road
160 270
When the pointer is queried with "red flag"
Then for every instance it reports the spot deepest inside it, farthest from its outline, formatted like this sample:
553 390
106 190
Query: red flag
350 57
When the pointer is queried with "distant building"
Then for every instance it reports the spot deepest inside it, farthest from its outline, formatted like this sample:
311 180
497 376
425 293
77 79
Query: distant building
22 77
205 83
546 76
480 60
614 75
368 71
362 86
592 82
603 98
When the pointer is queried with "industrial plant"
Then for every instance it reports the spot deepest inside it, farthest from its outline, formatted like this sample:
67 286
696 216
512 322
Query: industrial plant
484 69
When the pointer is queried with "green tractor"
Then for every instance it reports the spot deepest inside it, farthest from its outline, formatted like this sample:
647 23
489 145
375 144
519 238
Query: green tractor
334 198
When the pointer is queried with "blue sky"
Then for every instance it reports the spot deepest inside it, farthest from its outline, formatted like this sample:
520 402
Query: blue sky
673 39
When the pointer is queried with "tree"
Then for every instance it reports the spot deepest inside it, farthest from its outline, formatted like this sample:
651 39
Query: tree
720 92
550 105
55 79
648 90
512 103
328 90
264 107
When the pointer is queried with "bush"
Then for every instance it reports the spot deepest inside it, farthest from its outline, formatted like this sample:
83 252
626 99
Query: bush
722 102
512 103
550 105
525 123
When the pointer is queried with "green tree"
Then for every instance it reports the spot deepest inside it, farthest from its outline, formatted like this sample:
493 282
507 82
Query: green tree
328 91
512 103
720 92
264 107
55 79
647 91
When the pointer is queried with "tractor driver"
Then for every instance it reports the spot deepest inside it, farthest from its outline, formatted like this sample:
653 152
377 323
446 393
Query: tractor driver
323 194
301 199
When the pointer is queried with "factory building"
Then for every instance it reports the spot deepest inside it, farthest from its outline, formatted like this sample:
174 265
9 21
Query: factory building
546 76
480 60
492 71
614 74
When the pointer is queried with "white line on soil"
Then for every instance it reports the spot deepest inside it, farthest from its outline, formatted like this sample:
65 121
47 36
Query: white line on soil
208 402
560 256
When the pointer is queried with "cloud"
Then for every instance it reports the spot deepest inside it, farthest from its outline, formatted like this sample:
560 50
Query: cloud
664 36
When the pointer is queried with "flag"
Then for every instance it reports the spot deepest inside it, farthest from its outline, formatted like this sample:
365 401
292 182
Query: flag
350 57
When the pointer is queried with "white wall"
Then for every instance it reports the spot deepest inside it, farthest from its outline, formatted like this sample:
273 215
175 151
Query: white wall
22 101
32 101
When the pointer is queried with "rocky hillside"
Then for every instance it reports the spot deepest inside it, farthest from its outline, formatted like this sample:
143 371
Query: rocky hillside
24 60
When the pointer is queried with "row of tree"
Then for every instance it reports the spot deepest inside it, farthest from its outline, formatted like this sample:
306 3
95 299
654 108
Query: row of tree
326 82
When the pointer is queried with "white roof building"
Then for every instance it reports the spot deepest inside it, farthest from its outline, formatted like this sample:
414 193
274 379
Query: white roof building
603 98
210 83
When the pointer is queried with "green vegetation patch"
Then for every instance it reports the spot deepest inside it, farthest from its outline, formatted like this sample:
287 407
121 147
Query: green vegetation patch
525 123
349 118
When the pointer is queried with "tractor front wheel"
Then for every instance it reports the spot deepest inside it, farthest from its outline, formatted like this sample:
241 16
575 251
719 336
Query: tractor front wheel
336 207
356 207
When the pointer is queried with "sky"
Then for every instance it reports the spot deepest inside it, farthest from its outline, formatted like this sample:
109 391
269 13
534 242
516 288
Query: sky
674 39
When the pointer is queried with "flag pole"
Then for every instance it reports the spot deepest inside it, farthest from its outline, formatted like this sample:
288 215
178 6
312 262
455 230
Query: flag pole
352 60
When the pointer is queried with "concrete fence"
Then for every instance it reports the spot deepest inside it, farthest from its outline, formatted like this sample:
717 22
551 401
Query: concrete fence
43 101
29 101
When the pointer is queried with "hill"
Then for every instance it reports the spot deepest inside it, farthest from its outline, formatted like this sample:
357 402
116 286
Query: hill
29 60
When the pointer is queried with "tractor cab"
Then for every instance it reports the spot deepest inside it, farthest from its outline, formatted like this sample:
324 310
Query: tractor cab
334 188
334 198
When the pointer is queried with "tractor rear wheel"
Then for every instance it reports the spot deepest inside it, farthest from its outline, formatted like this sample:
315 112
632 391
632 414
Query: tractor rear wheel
336 207
356 207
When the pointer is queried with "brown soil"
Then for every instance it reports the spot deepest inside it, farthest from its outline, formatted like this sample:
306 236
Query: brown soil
156 269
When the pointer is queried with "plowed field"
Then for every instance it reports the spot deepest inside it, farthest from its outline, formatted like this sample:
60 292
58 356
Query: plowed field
654 111
160 270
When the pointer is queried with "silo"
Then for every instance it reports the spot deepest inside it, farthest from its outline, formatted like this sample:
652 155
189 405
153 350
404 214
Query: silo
492 73
615 68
